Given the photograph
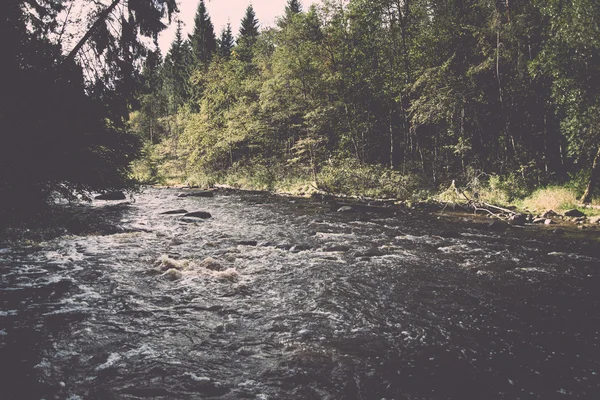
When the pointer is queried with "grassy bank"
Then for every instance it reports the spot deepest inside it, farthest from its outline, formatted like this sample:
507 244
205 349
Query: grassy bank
350 178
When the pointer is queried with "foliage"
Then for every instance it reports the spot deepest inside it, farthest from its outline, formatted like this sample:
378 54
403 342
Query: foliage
391 98
349 177
62 128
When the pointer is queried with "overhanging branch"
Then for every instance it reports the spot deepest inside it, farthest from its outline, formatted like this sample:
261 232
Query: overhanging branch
101 19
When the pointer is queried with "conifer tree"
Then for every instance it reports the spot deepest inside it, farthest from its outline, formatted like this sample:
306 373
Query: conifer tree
176 71
293 7
249 25
203 42
225 42
248 34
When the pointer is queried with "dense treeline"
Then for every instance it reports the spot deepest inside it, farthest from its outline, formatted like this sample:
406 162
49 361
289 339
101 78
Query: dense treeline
431 90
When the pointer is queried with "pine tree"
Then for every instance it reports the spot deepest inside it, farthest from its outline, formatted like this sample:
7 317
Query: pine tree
202 41
225 43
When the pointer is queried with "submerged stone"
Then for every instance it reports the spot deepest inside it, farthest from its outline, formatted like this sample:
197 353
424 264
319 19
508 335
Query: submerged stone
197 193
198 214
171 212
111 196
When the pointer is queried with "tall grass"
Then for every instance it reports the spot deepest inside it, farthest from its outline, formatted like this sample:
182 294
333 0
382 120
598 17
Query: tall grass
551 198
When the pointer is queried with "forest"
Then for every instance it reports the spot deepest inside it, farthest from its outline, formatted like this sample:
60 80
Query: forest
391 98
387 98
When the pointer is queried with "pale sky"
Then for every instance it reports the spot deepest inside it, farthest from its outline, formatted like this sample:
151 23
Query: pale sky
223 11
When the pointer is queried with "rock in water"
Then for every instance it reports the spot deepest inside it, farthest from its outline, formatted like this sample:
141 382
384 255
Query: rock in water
180 211
345 209
518 219
196 193
198 214
111 196
574 213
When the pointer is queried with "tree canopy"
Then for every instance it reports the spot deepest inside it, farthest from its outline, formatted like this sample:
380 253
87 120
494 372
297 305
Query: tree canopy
62 113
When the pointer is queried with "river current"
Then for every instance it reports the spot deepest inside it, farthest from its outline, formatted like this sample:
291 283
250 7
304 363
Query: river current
305 303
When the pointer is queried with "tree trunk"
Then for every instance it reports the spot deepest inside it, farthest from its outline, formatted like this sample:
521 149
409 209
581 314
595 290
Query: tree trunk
589 191
101 19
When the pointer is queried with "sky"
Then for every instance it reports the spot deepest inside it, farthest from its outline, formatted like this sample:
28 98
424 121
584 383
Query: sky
223 11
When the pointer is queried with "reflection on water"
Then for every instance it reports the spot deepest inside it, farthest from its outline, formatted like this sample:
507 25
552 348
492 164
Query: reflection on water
300 303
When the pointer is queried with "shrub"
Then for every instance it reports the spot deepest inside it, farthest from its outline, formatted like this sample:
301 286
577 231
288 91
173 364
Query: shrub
348 176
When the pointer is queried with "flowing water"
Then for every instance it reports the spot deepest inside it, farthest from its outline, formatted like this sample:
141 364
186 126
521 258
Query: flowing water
309 304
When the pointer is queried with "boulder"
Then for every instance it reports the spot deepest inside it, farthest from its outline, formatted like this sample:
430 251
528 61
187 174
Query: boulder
111 196
198 214
549 213
196 193
574 213
595 220
180 211
539 220
518 219
548 221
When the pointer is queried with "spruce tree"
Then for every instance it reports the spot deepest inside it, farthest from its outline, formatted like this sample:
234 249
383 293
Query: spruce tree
293 7
176 71
202 40
248 34
225 42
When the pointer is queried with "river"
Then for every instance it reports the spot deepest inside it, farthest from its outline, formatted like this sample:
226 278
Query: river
297 301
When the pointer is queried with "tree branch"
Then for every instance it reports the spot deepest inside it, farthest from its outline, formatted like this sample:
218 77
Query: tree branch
101 18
